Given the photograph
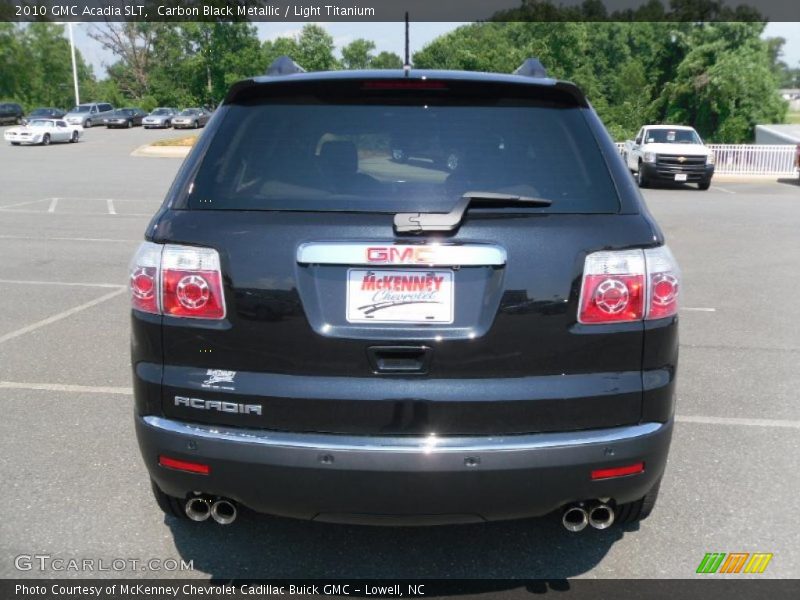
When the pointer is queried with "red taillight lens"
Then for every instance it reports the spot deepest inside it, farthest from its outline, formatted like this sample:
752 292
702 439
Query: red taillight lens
629 285
181 281
613 287
612 298
633 469
184 465
195 294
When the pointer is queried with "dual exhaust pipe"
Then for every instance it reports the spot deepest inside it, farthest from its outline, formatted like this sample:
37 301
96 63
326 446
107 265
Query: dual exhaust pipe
222 510
576 517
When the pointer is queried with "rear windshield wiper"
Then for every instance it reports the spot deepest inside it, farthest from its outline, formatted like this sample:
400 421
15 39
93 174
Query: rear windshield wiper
418 222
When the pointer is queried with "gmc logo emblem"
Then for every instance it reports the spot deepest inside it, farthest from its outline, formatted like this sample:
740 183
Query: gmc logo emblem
395 255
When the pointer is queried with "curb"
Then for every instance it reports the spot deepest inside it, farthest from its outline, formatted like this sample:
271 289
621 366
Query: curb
161 151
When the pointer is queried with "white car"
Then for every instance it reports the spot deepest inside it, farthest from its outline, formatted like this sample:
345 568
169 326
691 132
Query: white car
43 131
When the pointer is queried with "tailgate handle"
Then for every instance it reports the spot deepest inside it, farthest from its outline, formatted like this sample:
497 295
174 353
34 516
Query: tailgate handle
399 359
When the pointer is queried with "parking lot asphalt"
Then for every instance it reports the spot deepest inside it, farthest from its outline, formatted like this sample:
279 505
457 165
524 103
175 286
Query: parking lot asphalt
70 218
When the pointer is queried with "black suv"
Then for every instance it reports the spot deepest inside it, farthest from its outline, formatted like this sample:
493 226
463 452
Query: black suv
10 112
324 333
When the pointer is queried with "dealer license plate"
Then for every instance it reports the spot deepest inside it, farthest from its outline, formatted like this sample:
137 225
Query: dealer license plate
394 296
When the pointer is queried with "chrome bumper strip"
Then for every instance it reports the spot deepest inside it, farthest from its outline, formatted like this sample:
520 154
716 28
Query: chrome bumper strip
431 444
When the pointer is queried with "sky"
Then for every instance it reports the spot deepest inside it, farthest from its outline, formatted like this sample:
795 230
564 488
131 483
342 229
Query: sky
389 37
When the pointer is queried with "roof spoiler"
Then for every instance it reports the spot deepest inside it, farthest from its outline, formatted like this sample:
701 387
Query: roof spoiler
283 65
532 67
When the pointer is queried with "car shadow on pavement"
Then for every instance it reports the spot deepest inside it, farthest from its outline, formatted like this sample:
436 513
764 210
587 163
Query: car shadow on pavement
258 546
789 180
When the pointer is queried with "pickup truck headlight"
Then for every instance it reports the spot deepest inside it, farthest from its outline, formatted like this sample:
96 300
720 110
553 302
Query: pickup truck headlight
710 158
649 157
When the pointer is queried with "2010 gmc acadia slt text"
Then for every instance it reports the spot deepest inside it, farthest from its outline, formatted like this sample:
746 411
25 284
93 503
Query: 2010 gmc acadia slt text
325 329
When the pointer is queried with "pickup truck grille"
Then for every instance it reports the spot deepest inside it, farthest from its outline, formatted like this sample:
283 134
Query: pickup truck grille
680 163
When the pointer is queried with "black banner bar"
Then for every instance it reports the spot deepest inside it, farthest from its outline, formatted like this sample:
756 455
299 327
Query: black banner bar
711 587
394 10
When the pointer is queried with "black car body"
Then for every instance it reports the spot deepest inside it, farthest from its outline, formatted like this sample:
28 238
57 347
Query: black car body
314 336
124 117
45 113
11 112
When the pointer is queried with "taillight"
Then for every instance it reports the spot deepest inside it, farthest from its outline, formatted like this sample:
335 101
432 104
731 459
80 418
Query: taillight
143 280
613 287
629 285
181 281
192 283
663 278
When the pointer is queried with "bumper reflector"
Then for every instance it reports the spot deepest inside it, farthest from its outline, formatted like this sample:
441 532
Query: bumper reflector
633 469
183 465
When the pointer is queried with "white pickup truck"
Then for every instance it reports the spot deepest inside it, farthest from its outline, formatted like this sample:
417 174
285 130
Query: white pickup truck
669 153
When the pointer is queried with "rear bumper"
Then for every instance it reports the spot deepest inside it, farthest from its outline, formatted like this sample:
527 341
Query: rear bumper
401 479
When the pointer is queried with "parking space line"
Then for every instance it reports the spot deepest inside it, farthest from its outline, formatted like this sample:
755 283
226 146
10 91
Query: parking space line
60 316
80 214
58 387
699 309
64 239
110 204
52 207
721 189
27 203
68 283
737 421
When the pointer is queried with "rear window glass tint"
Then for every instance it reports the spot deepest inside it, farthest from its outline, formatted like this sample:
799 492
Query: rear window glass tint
393 157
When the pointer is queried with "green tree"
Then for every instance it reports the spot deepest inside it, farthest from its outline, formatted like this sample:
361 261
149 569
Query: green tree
358 54
315 49
386 60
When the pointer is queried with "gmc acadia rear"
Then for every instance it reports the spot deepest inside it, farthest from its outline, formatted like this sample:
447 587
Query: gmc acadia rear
320 331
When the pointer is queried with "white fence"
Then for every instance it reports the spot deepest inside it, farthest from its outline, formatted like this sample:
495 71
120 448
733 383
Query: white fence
751 159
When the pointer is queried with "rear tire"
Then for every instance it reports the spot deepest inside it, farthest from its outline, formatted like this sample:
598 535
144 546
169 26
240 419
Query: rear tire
704 185
638 510
171 506
46 139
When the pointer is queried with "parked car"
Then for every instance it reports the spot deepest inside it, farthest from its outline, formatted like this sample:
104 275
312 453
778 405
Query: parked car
493 343
44 113
88 115
669 153
10 112
191 118
125 117
160 117
43 131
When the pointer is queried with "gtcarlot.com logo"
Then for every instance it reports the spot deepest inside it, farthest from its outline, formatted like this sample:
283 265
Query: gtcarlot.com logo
46 562
735 562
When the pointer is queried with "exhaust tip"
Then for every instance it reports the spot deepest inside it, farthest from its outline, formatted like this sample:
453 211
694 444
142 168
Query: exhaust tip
601 516
224 511
197 509
575 519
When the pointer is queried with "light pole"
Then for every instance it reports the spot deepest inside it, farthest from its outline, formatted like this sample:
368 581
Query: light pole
74 64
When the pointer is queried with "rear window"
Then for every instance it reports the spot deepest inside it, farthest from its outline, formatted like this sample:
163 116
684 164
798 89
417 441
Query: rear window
401 154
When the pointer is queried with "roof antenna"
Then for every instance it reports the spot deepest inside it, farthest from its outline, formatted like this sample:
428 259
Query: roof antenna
407 63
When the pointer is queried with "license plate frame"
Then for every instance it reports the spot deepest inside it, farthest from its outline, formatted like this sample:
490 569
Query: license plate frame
400 296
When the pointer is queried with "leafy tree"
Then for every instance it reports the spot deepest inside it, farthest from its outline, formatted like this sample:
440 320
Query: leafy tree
719 77
358 54
315 49
386 60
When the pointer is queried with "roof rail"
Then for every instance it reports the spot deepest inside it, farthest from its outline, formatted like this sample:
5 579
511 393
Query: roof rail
283 65
532 67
